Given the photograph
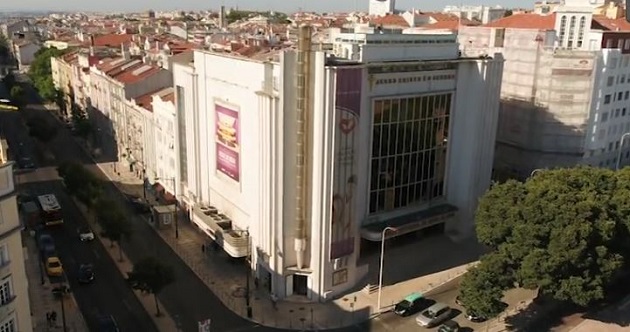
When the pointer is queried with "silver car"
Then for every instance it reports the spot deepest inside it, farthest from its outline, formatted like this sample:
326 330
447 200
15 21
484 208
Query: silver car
433 315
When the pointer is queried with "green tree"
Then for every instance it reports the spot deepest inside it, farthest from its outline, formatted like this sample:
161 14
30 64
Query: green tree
40 72
481 290
17 94
81 183
151 275
116 230
564 232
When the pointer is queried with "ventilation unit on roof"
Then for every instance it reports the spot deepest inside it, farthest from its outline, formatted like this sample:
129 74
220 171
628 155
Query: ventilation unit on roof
141 70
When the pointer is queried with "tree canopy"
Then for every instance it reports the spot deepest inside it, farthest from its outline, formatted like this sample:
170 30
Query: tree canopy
565 232
40 72
81 183
151 275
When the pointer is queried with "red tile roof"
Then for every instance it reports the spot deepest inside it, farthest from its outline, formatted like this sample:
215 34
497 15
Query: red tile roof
601 22
525 21
145 101
112 40
132 75
389 20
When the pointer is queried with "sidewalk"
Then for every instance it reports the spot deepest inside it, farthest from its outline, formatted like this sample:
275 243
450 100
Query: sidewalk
227 280
41 297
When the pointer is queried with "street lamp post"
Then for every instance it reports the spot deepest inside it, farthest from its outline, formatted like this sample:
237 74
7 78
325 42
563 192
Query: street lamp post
247 271
144 184
176 207
380 271
623 137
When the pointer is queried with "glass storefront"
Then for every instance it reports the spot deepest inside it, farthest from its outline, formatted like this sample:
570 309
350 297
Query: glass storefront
409 141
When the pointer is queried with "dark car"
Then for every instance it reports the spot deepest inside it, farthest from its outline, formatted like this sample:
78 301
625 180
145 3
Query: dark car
474 317
46 244
411 304
23 198
139 205
107 324
86 273
26 163
449 326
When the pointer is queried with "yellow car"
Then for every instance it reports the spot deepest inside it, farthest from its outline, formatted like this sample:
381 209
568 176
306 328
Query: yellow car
54 267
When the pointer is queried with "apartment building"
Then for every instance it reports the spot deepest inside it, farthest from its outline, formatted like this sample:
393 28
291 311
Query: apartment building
483 14
565 90
15 312
165 139
114 82
299 175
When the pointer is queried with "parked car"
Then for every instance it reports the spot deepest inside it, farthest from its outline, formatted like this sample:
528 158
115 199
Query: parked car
86 273
107 324
474 317
85 234
449 326
433 315
139 205
46 244
470 315
26 163
54 267
411 304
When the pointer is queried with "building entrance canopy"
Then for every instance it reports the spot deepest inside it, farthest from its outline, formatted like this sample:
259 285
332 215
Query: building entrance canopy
409 223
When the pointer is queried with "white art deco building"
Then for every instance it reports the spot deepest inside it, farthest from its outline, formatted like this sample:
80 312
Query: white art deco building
304 155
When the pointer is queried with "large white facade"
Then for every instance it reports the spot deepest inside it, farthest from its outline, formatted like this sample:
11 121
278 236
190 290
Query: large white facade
165 134
565 90
242 148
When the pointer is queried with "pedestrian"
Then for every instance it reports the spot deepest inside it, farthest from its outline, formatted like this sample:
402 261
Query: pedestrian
256 283
53 317
274 301
48 320
203 248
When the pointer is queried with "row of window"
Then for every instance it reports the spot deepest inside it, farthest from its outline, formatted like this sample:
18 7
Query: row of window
570 25
616 97
621 79
412 41
408 151
613 114
421 78
427 66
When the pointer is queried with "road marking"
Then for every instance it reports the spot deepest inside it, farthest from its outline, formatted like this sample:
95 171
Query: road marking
96 254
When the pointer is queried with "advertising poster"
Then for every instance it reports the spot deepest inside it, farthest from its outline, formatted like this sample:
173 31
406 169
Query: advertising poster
228 142
347 111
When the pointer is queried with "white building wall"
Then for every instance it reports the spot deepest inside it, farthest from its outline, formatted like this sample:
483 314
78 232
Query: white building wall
239 199
185 81
165 131
471 143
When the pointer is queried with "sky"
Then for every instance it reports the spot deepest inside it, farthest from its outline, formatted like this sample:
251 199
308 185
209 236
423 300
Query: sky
278 5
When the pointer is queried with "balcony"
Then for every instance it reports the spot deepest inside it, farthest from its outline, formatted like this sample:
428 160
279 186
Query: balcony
219 228
7 307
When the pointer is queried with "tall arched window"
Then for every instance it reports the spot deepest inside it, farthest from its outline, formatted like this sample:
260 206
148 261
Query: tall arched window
571 32
563 30
581 31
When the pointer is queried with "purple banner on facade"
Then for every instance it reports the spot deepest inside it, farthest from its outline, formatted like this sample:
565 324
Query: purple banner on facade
347 111
228 142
